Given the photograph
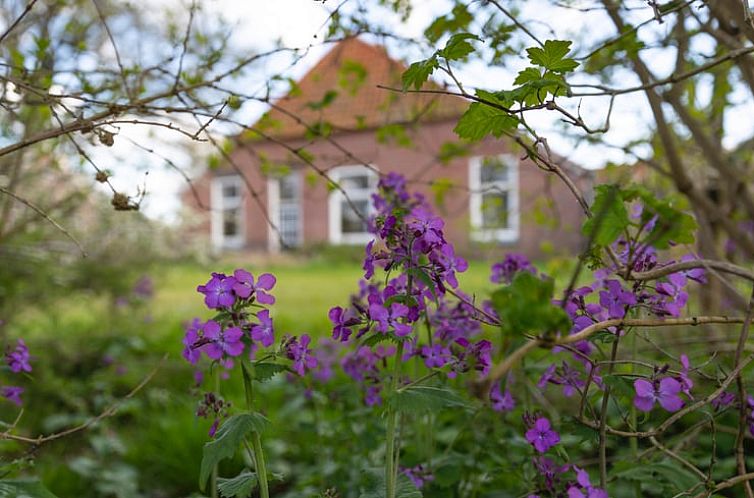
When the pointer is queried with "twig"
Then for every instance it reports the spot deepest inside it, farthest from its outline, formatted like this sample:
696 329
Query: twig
28 8
108 412
501 369
44 215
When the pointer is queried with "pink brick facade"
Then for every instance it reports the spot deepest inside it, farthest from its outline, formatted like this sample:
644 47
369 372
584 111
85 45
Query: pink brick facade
547 218
548 213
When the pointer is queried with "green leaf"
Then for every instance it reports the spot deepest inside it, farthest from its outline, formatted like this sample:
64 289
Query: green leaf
393 133
440 188
240 486
266 370
422 276
526 306
609 216
460 19
327 99
419 72
421 398
553 56
375 486
23 488
669 474
227 440
528 74
482 119
458 46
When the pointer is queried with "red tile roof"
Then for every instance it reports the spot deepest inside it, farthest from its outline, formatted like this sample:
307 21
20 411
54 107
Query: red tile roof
349 75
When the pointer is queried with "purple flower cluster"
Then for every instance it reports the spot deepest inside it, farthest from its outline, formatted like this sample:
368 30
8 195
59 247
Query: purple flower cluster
212 405
418 475
19 361
501 401
242 324
503 272
223 291
409 240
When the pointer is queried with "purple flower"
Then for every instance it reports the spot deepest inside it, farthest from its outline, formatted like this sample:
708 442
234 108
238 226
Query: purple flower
263 331
245 288
418 475
299 352
222 342
12 394
541 435
144 288
723 400
615 299
449 264
584 488
342 321
372 396
218 291
666 393
427 229
18 359
683 378
501 402
503 272
390 318
191 350
436 356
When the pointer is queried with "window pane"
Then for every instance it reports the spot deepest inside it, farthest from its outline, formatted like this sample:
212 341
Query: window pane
231 190
495 210
230 222
289 188
358 182
349 220
494 169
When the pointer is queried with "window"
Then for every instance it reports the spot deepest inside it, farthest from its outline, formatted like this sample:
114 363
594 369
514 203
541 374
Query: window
226 198
285 210
493 208
346 223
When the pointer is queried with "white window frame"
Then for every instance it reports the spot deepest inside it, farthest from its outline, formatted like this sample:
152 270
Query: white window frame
273 208
511 186
219 205
336 199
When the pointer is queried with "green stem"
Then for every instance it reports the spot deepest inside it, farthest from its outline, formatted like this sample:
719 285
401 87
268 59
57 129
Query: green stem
256 440
215 470
634 442
256 444
391 462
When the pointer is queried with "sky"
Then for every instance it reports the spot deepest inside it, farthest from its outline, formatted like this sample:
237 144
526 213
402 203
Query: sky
297 22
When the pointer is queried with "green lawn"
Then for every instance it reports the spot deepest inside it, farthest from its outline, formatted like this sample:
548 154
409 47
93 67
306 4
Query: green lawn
304 291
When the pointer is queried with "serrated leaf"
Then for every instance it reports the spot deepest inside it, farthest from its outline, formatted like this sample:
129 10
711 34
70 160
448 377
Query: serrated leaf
266 370
23 488
553 56
670 474
458 46
526 306
609 216
528 74
482 119
227 441
375 486
419 72
417 399
240 486
460 19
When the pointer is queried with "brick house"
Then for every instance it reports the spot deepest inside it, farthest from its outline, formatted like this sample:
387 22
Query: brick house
487 194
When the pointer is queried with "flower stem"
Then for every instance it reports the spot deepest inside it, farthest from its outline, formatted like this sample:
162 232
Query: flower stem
256 440
391 460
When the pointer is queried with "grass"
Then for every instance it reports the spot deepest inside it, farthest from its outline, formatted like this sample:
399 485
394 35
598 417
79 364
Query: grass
304 292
